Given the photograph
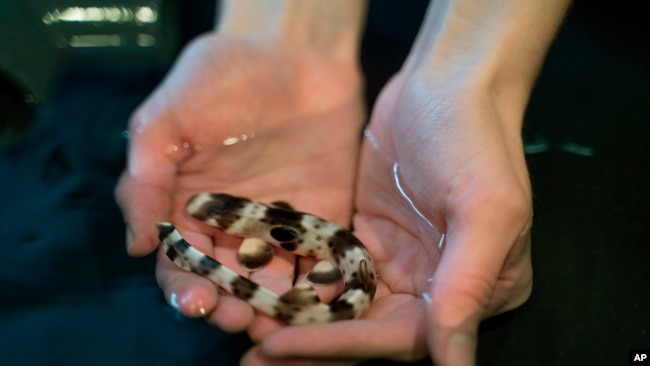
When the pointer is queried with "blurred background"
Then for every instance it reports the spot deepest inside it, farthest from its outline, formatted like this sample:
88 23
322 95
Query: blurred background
72 71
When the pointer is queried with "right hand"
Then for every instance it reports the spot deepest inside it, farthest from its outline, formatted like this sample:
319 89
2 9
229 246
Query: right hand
459 160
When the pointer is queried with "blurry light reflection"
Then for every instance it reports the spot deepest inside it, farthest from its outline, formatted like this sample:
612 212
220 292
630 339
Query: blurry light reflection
95 40
231 140
77 14
146 40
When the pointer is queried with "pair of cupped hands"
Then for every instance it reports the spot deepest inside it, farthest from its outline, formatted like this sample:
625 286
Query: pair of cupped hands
262 121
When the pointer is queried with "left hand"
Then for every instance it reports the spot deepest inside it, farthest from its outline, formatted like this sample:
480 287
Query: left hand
253 118
464 170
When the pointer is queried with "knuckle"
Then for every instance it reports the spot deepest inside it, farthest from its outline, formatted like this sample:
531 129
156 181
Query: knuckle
455 300
513 289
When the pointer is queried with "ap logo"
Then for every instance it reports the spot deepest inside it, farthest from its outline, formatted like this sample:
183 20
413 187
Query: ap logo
640 357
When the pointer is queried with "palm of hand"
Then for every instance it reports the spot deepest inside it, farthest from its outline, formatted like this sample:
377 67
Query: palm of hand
431 164
239 118
434 164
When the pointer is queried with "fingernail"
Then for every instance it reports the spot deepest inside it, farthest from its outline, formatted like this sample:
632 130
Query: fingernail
173 300
188 304
461 349
193 308
427 298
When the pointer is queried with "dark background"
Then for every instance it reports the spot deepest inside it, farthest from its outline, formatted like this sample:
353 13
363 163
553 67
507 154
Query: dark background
70 296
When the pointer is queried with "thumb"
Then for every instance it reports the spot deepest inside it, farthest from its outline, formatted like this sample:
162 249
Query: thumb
461 290
144 192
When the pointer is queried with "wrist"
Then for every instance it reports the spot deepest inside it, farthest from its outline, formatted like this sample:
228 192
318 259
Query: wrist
249 19
326 28
495 46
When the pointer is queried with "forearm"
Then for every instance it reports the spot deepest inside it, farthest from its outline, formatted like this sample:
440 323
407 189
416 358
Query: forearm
331 28
496 44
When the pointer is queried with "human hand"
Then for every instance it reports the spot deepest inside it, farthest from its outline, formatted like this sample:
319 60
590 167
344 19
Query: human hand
443 156
257 119
437 160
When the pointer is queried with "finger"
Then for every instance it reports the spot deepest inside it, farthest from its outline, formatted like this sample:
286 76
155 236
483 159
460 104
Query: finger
142 205
232 315
255 357
515 282
144 192
327 292
190 294
194 295
462 287
277 276
392 329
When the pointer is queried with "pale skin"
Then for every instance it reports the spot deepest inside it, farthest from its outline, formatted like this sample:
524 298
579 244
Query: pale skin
270 106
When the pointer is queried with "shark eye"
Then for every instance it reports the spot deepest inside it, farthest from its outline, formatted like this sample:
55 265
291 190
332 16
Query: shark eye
283 234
